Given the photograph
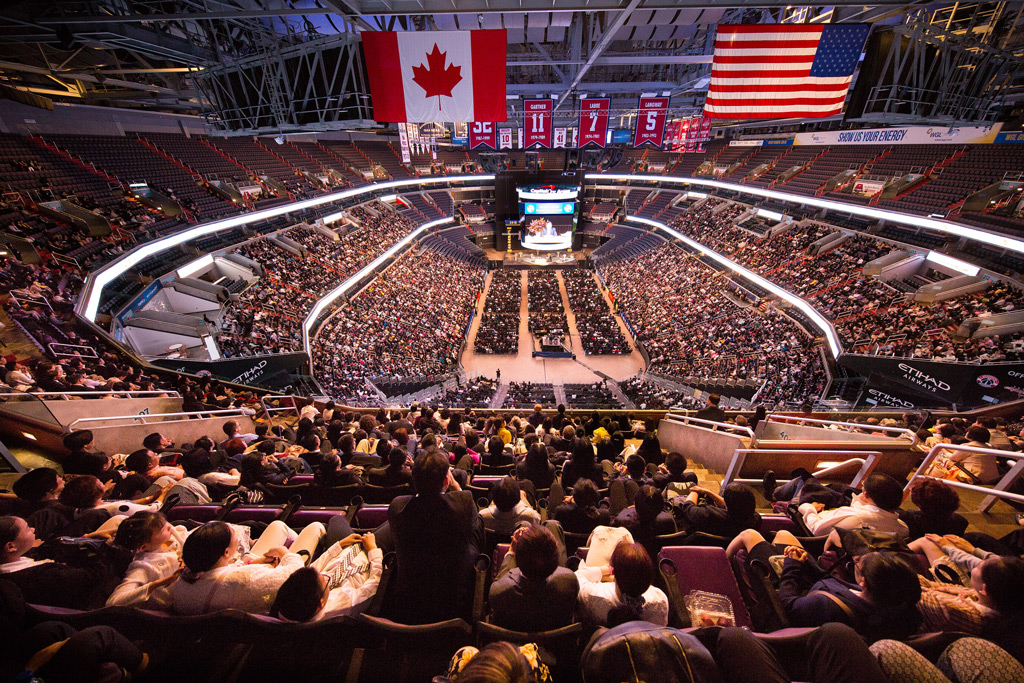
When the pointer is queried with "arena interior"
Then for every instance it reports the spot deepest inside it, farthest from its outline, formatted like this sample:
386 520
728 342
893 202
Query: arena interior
511 341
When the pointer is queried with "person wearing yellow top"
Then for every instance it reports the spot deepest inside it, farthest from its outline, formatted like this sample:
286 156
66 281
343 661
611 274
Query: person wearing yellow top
505 434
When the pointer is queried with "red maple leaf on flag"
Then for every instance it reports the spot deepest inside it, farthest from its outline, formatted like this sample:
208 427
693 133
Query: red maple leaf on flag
435 78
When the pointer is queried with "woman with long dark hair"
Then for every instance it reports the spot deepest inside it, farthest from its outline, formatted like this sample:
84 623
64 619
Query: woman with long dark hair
631 597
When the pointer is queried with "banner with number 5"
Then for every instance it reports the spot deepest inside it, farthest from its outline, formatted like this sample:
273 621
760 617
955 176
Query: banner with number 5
650 121
482 133
537 126
594 121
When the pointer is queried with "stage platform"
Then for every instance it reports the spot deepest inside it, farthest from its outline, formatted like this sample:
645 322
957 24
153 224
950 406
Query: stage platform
541 260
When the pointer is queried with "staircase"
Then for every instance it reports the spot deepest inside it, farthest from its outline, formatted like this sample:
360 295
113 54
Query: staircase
499 395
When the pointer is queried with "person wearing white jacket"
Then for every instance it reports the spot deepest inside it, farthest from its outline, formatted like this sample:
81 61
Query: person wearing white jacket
213 579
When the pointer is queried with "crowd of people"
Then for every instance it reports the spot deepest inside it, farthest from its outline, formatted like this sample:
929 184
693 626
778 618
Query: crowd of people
527 394
599 331
596 395
410 321
647 395
546 310
268 316
623 498
870 315
475 393
690 328
499 327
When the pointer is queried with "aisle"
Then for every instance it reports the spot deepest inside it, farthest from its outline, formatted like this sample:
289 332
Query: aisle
523 367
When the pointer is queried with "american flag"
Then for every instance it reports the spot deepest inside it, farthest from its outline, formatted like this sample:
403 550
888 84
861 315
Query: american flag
770 71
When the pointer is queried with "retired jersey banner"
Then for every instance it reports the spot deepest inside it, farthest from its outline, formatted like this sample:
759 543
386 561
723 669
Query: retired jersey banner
403 140
537 123
650 121
425 76
482 133
560 137
594 121
505 138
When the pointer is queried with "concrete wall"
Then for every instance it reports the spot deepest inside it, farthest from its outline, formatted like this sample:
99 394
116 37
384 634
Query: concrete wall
710 448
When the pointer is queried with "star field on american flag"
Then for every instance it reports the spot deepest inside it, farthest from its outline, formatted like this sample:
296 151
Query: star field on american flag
839 50
765 71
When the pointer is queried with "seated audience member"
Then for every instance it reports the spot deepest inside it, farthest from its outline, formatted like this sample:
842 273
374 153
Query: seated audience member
991 603
38 489
937 504
582 465
86 493
495 455
193 488
726 515
881 604
312 455
531 592
396 473
673 471
498 662
635 470
159 444
258 468
341 582
214 579
235 449
650 449
231 431
982 467
631 597
647 517
508 508
876 508
711 411
438 534
45 582
83 459
536 467
332 473
147 463
156 561
581 514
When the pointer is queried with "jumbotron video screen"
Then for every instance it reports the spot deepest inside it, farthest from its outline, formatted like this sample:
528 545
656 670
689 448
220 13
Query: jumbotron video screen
538 210
547 216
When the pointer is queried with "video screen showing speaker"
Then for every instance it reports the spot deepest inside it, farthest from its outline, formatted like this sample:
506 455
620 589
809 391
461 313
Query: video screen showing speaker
537 210
547 216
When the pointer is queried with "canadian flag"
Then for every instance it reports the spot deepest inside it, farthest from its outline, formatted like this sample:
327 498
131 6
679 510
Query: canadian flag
428 76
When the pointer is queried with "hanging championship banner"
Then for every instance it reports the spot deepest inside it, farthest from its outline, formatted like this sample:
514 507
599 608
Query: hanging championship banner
559 137
705 129
575 137
505 138
650 121
403 140
594 121
481 133
520 138
537 122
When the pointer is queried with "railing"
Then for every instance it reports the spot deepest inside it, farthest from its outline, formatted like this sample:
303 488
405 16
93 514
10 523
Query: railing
270 410
717 426
64 395
995 491
19 299
159 417
895 432
54 345
866 459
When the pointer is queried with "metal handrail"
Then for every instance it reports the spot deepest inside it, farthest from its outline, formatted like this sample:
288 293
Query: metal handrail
686 419
238 412
900 431
994 491
867 460
51 346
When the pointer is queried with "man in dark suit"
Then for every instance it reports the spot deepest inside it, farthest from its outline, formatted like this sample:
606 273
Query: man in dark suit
711 411
399 421
438 534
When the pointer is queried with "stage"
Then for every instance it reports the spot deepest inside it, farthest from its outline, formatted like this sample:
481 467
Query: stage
553 260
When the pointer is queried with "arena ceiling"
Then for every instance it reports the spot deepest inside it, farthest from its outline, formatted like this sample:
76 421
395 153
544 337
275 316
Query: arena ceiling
164 54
